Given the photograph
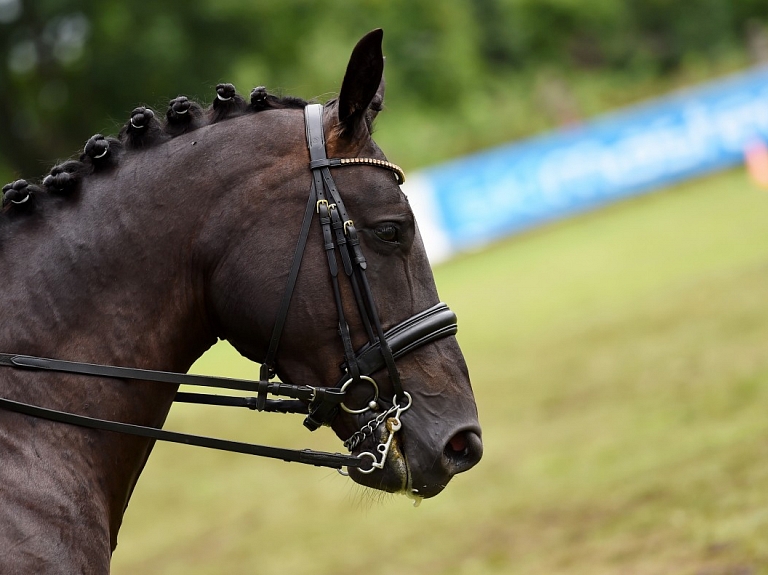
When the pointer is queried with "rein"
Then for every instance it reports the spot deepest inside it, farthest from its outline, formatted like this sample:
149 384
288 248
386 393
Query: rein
320 404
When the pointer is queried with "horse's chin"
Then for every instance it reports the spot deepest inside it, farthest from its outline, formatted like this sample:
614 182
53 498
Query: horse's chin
395 477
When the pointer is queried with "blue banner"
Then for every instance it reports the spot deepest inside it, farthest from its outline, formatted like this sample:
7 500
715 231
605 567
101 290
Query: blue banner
485 196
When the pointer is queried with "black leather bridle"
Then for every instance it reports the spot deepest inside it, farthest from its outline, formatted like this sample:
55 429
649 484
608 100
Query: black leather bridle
320 404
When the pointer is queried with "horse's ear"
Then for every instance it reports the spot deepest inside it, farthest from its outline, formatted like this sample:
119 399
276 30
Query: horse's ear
377 104
363 83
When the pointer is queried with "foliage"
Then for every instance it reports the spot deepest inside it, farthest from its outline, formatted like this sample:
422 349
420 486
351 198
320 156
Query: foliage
69 68
611 33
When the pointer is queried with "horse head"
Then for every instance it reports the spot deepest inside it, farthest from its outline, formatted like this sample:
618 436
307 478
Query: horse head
440 434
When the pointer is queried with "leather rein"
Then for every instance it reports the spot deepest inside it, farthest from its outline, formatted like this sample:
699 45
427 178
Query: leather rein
319 404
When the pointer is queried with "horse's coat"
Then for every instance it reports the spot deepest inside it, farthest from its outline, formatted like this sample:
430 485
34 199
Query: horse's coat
146 262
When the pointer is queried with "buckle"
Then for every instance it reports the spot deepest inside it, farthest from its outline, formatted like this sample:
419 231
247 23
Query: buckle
324 408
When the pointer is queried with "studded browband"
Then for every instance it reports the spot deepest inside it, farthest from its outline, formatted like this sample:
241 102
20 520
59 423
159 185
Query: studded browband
338 162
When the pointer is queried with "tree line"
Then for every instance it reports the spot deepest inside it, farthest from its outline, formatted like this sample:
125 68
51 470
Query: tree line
71 68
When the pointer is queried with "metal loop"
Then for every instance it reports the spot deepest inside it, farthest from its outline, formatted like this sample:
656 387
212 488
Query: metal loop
393 426
371 404
374 465
401 409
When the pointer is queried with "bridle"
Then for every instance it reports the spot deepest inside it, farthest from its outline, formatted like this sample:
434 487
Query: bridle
319 404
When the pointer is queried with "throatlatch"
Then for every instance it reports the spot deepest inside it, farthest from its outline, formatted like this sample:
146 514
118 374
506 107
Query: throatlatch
321 404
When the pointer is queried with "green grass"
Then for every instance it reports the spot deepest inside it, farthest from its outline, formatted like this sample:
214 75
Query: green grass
620 364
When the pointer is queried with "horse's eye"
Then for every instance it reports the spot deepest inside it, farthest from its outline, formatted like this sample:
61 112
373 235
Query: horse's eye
387 233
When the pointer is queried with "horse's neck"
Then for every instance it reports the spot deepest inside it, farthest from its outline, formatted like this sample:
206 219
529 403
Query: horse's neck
116 276
103 280
95 283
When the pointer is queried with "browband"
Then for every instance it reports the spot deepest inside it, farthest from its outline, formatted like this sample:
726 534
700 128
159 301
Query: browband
339 162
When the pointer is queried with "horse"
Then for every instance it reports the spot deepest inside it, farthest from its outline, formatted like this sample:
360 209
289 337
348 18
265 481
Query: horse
151 246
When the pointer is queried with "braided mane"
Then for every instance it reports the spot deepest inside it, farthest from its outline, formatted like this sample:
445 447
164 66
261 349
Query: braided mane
143 130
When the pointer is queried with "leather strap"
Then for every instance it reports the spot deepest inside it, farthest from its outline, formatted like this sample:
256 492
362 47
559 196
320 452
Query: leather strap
318 458
430 325
349 252
267 368
303 392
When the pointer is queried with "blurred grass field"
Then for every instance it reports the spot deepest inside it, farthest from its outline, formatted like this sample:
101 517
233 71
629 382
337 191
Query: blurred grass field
620 364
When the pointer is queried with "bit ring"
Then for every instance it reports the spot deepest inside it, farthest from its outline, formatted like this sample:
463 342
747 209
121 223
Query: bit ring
370 404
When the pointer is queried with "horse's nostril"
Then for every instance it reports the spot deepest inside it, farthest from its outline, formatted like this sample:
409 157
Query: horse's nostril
462 452
458 444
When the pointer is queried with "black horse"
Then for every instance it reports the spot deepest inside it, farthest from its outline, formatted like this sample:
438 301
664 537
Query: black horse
153 245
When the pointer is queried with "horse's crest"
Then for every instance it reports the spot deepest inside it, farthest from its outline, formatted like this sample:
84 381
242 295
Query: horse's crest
142 130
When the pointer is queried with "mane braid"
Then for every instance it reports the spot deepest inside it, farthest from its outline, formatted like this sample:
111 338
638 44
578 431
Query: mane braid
20 196
142 131
64 178
101 153
228 104
183 116
261 100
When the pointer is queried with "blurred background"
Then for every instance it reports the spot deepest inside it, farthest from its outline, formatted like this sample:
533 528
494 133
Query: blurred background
619 356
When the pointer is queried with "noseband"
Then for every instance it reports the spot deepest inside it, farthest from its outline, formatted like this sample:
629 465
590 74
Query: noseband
320 404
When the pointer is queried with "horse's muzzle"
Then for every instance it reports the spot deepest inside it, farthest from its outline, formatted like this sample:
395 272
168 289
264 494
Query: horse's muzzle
413 469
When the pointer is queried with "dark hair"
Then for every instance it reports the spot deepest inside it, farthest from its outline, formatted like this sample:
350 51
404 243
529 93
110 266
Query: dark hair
183 116
142 131
227 104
